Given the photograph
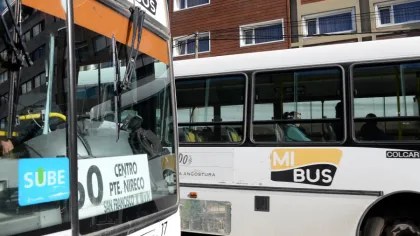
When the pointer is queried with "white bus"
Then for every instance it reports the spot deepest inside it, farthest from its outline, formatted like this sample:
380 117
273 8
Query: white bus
309 141
87 135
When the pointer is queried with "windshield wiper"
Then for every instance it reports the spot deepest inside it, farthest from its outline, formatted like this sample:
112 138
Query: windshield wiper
117 86
122 85
138 20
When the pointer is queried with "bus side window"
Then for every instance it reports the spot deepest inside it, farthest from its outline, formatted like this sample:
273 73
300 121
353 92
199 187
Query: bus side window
298 102
213 107
385 105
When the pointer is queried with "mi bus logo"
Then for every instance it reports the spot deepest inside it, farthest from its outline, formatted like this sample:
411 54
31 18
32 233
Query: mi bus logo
308 166
43 180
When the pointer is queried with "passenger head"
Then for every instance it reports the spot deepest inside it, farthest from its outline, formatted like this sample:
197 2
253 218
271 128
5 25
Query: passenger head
372 122
293 115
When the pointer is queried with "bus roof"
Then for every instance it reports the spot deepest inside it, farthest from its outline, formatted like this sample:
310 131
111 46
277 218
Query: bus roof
287 58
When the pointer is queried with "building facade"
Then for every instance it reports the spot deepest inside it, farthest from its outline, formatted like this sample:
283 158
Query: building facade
230 27
316 22
223 27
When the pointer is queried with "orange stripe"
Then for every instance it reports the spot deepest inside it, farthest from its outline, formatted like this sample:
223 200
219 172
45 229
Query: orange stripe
103 20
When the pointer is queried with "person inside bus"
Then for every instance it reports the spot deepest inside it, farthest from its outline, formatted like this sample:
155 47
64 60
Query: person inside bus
292 133
338 125
370 130
16 144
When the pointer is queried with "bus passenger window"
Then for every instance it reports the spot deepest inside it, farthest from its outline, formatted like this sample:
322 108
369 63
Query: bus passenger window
294 106
385 102
211 109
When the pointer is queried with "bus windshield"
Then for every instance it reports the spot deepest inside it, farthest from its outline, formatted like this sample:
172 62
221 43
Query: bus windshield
125 144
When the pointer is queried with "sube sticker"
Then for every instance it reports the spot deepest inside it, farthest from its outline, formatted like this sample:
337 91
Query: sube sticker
43 180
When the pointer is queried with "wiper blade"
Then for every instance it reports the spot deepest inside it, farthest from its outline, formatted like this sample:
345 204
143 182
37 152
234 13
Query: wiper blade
117 87
138 20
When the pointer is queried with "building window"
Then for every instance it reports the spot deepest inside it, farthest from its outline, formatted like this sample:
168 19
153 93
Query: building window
37 29
398 13
4 99
3 77
38 53
23 88
34 31
185 4
101 43
3 123
186 45
39 80
342 21
262 33
3 54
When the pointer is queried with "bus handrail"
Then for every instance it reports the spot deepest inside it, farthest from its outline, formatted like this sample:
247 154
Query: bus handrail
38 116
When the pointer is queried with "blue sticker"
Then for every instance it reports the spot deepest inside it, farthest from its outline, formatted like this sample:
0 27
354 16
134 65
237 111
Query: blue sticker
43 180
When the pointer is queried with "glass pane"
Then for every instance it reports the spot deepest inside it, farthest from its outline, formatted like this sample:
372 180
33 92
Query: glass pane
268 33
27 36
263 111
28 86
232 113
336 23
100 43
386 102
311 24
211 100
249 36
34 169
181 45
190 46
183 4
36 30
37 81
43 79
385 15
407 12
126 161
192 3
132 139
297 107
23 88
204 44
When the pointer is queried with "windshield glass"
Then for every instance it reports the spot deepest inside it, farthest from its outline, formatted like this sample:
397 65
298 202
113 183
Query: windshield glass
126 160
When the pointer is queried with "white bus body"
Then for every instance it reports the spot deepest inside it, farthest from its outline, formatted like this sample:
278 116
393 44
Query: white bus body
249 184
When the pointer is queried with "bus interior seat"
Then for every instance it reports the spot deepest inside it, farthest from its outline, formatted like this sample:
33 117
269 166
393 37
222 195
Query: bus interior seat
233 135
268 133
191 136
278 131
328 132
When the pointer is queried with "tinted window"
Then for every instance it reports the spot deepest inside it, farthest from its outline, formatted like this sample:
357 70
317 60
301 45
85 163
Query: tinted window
294 106
386 101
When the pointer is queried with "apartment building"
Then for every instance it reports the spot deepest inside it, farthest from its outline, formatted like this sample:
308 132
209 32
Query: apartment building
318 22
235 26
223 27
